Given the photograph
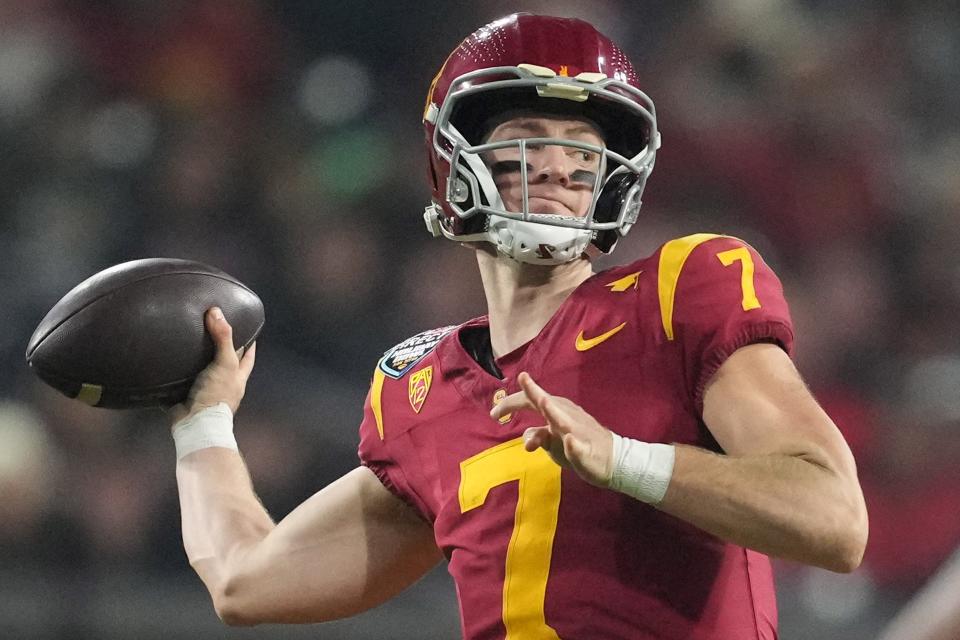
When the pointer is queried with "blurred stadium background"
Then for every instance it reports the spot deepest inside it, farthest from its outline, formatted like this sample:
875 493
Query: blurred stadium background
281 141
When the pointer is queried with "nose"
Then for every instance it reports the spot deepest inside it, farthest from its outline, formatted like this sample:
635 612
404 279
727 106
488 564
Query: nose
550 164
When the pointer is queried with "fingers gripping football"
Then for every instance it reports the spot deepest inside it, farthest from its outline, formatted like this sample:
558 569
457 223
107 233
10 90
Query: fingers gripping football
572 437
225 378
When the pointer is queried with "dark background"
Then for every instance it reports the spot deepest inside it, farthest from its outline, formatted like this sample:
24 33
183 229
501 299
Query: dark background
281 142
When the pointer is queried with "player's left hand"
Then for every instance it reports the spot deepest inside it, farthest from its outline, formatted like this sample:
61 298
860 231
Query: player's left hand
572 437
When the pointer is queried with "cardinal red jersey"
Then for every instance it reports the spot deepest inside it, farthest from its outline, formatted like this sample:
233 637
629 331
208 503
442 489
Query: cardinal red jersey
535 552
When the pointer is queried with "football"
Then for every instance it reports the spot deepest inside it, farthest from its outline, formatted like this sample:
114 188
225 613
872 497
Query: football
133 335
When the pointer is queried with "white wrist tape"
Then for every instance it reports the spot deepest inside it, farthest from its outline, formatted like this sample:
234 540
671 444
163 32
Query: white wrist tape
210 427
642 470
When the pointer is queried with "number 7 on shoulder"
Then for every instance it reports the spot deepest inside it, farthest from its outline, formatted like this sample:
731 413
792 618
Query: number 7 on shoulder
742 255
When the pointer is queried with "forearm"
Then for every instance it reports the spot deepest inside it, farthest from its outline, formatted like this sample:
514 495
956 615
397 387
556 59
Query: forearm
349 547
781 505
221 515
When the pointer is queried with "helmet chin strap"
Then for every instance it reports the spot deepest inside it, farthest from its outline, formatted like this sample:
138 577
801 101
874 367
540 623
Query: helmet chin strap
536 243
522 240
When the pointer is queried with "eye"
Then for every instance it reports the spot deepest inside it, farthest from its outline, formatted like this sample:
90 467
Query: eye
585 156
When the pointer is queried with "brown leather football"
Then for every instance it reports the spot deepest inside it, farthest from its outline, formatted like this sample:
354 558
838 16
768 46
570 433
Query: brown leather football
133 335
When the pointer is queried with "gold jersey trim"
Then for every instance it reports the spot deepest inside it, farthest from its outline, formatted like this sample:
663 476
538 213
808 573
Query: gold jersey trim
672 258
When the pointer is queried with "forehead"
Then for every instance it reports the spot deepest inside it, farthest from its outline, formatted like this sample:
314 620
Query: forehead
545 126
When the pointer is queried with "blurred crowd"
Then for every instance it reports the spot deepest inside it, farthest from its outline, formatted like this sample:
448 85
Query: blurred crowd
281 141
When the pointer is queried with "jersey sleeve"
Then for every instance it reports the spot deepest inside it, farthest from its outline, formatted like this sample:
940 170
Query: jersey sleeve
724 297
379 451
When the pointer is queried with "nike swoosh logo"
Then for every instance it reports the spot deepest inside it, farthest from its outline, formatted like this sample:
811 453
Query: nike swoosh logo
589 343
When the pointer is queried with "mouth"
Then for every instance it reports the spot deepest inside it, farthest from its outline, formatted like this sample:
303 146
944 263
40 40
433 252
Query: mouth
545 204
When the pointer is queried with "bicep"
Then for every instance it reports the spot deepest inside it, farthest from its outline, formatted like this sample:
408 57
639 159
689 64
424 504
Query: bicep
756 403
346 549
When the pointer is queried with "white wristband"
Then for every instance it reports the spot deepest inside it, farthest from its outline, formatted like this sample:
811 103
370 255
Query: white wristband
641 470
209 427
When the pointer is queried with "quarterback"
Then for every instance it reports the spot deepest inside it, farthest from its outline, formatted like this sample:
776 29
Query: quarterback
603 455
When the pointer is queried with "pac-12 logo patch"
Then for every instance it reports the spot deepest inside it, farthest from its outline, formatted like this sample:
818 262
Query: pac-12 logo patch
403 357
419 386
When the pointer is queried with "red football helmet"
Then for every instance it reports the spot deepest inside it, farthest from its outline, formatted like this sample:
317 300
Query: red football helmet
540 65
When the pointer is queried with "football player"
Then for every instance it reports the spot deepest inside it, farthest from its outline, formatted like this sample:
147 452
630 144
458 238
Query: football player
603 455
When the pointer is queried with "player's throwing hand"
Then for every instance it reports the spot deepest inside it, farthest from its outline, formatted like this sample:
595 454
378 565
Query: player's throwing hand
572 437
225 378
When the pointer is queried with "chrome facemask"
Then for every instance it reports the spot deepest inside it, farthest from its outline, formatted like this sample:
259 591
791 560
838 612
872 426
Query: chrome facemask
471 190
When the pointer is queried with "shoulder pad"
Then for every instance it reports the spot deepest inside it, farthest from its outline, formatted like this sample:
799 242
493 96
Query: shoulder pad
401 358
676 254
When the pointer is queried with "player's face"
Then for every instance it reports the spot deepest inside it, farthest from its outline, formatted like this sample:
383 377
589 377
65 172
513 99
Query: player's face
560 179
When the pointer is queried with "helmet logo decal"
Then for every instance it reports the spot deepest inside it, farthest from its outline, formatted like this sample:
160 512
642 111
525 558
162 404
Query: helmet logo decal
433 85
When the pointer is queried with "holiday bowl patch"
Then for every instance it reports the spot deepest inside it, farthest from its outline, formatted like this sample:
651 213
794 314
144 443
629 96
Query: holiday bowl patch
403 357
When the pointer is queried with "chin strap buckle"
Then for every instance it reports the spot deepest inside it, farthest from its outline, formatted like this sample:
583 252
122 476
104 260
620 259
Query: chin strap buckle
431 216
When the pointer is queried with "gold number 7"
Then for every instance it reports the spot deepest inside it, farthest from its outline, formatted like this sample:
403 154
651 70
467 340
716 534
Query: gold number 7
535 522
742 255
